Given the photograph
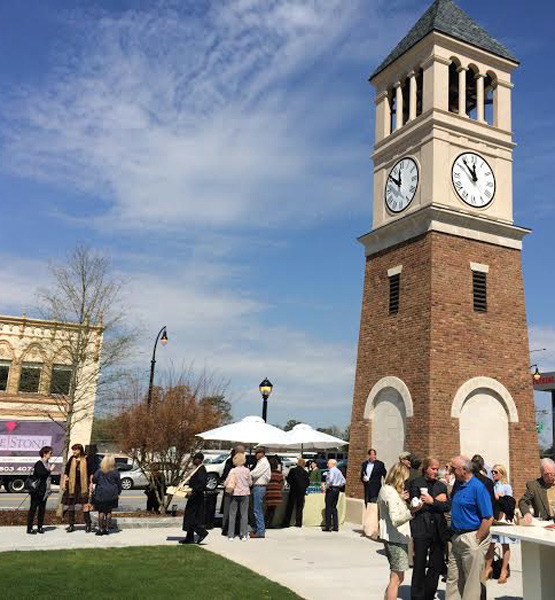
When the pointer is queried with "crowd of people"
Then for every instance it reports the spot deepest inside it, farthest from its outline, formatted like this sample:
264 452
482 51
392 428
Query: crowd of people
436 518
440 520
253 492
87 482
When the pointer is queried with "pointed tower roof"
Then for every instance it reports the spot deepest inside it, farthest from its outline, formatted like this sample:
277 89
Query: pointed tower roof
446 17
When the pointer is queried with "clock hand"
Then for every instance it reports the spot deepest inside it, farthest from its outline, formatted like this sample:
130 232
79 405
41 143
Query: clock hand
396 181
472 172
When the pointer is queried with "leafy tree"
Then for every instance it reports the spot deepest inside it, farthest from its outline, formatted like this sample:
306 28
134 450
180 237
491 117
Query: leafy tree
290 424
161 438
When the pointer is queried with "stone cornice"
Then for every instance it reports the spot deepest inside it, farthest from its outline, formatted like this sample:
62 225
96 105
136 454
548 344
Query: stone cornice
470 128
443 220
44 323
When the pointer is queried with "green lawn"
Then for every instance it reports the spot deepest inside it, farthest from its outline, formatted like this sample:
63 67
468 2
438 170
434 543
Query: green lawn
145 573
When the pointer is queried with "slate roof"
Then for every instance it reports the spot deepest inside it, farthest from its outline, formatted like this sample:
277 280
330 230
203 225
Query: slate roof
446 17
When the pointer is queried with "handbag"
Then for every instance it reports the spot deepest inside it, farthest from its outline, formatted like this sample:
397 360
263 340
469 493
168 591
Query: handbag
32 484
370 523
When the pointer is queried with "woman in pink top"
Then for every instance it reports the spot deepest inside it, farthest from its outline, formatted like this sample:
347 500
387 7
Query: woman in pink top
238 484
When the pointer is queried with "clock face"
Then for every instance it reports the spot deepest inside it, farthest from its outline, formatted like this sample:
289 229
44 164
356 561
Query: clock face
473 180
401 184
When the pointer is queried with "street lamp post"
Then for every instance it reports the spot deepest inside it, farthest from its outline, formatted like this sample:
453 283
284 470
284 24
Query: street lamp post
265 389
163 337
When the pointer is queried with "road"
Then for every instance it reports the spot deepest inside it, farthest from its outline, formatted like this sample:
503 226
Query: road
129 501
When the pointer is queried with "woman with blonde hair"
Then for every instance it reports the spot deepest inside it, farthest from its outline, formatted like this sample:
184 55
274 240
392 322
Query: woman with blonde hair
502 488
107 489
238 486
394 525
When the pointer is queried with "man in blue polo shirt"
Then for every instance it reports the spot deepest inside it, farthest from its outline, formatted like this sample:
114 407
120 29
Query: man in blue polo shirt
471 519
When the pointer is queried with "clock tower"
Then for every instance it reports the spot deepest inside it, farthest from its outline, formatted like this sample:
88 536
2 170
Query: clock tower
443 357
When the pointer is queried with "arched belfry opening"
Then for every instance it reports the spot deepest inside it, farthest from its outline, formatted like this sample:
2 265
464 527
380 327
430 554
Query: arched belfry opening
472 92
489 109
419 91
454 90
392 98
405 86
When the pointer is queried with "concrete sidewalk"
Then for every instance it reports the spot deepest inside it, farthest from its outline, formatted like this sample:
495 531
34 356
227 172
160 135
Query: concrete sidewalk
316 565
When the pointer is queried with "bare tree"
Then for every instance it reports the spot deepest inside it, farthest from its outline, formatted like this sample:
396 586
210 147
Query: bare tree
89 337
161 438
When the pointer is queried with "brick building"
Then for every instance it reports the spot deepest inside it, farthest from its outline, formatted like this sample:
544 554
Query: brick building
443 357
36 366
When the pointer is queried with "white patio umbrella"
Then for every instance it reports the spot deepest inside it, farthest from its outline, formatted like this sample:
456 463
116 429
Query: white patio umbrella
250 430
308 438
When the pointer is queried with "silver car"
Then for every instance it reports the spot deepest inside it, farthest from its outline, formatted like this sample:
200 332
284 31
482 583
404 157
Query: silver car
133 479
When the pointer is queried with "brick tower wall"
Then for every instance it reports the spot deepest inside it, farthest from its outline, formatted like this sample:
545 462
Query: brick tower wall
437 342
392 344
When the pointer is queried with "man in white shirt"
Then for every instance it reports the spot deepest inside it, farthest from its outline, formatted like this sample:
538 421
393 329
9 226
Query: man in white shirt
261 475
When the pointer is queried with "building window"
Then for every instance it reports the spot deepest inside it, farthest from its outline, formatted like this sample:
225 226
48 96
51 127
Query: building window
479 291
61 380
4 374
29 380
394 292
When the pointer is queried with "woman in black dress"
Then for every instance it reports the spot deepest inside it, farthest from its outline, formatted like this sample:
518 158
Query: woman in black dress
75 487
193 519
107 489
41 471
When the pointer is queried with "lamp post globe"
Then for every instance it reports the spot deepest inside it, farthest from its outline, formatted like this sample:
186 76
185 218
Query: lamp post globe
265 388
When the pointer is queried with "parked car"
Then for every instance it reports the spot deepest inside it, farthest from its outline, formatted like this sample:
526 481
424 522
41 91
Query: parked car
133 479
215 467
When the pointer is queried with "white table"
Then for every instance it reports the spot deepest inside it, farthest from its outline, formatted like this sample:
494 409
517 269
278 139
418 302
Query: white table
538 559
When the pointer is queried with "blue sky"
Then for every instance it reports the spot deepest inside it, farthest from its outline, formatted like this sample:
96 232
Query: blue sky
219 151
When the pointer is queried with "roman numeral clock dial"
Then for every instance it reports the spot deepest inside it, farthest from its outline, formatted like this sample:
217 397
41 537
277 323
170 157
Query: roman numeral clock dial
401 184
473 180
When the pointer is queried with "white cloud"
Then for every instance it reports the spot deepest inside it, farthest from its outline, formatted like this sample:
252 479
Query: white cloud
20 279
180 119
206 121
224 331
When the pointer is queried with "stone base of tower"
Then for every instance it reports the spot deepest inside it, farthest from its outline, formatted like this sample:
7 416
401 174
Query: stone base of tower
438 378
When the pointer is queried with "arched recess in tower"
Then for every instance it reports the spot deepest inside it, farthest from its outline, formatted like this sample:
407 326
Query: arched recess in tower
485 408
387 408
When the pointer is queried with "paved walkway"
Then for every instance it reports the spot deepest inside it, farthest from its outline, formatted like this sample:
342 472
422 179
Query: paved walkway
316 565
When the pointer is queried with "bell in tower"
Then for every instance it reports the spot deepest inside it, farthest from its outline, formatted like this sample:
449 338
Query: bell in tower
443 356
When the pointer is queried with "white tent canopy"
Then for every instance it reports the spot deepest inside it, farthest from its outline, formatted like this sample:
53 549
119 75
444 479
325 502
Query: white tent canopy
250 430
308 438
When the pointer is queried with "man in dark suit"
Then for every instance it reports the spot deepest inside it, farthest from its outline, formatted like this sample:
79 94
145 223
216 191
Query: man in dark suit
372 473
540 494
